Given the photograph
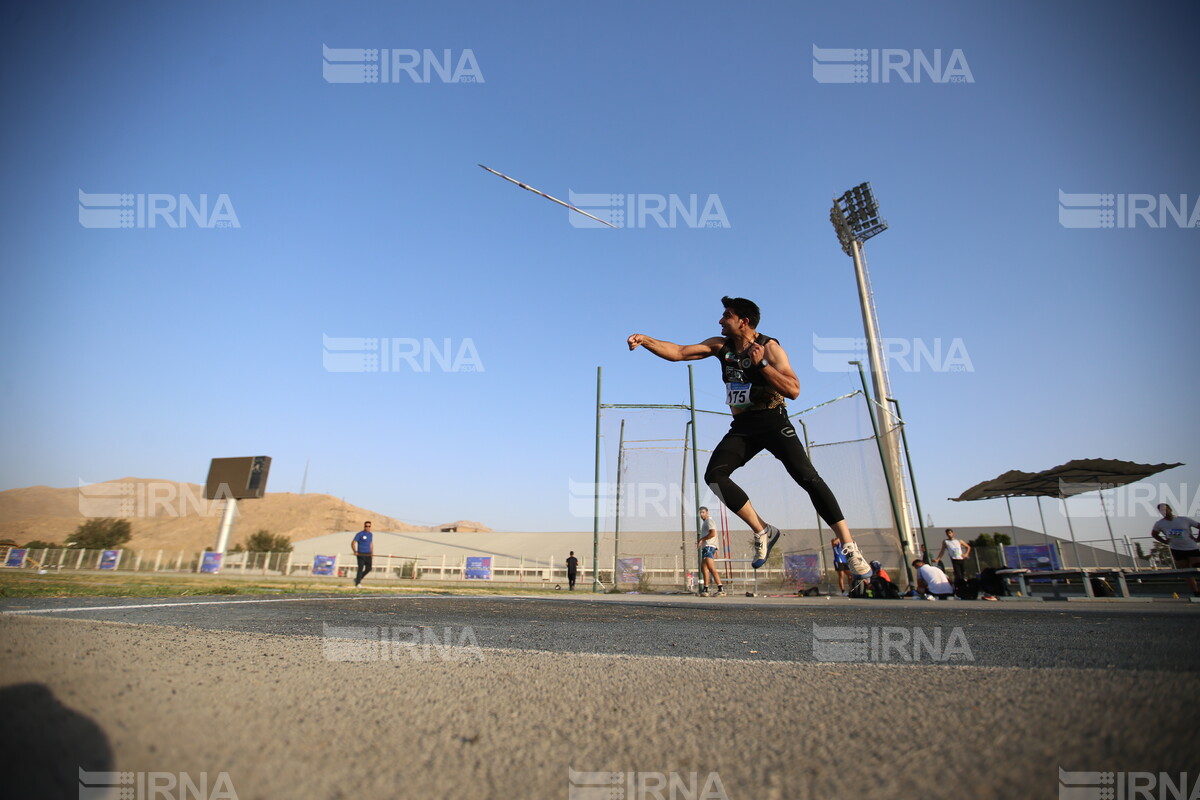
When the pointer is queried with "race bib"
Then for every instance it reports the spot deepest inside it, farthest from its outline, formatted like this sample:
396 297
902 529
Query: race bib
737 394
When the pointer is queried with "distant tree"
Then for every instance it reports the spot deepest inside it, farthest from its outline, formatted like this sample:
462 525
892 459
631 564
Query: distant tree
263 541
101 534
991 540
38 544
1159 555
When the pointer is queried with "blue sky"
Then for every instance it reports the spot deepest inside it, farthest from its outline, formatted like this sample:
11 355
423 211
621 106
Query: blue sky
148 351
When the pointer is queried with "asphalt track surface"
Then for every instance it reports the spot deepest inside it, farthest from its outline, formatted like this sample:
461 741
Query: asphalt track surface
369 696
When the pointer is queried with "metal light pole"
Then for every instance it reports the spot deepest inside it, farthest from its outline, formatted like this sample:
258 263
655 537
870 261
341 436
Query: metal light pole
855 218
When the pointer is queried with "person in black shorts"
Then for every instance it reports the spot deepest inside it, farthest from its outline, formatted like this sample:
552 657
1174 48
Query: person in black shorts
1176 533
758 377
708 551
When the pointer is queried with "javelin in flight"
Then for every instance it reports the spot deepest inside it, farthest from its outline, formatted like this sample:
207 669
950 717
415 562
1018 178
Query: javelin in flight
548 197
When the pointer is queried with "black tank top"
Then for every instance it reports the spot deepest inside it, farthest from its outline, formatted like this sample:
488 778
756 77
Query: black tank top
737 372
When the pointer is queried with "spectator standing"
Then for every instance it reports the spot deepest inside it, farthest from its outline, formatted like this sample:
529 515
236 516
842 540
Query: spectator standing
362 547
958 552
572 571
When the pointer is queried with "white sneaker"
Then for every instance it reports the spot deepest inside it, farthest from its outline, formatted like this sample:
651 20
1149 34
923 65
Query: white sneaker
763 544
854 559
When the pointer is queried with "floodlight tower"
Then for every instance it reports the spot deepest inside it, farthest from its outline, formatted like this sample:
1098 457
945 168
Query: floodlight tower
855 218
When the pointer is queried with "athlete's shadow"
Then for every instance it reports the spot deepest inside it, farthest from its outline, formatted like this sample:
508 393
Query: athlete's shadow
44 744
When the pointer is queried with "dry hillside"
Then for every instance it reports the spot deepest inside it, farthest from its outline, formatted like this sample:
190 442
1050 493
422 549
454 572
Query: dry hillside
174 516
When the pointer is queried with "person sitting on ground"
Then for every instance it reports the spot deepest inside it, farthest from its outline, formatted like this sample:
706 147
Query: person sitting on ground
882 586
932 582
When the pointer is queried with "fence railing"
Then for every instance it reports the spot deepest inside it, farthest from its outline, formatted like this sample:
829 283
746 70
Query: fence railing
659 570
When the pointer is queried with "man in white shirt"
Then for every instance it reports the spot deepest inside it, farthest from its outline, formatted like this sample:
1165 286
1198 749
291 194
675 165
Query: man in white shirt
1176 533
958 552
932 581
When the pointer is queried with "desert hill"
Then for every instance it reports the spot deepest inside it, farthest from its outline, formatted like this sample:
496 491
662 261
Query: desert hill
169 515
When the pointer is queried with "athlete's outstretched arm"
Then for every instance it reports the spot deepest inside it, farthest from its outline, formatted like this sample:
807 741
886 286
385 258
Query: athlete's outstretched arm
778 371
675 352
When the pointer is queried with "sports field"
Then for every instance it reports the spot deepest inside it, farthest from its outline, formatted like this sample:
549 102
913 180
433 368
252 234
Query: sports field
515 696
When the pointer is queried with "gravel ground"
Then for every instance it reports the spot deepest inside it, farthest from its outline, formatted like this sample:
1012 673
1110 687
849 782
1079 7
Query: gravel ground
282 719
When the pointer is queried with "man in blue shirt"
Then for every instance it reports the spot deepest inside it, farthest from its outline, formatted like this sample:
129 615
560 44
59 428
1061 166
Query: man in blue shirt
360 545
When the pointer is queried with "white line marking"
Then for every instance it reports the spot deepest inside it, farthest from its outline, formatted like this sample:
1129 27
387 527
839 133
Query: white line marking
221 603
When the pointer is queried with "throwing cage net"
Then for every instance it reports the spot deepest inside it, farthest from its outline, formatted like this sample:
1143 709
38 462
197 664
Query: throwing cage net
648 521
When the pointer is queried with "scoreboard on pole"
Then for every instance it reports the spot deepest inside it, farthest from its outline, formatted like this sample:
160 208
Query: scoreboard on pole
237 478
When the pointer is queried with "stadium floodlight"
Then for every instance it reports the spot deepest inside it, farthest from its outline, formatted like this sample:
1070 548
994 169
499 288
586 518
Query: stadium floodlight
855 218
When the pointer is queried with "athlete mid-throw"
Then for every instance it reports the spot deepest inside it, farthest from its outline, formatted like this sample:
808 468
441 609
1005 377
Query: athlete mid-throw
758 378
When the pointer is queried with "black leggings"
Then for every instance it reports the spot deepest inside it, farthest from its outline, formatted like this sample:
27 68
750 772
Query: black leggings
752 432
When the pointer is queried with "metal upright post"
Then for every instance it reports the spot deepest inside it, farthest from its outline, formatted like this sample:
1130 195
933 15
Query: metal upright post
1111 537
596 507
683 551
1012 527
886 474
617 517
889 450
226 525
912 477
1071 528
695 467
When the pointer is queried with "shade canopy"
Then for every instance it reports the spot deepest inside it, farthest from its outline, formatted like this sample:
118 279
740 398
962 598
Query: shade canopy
1066 480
